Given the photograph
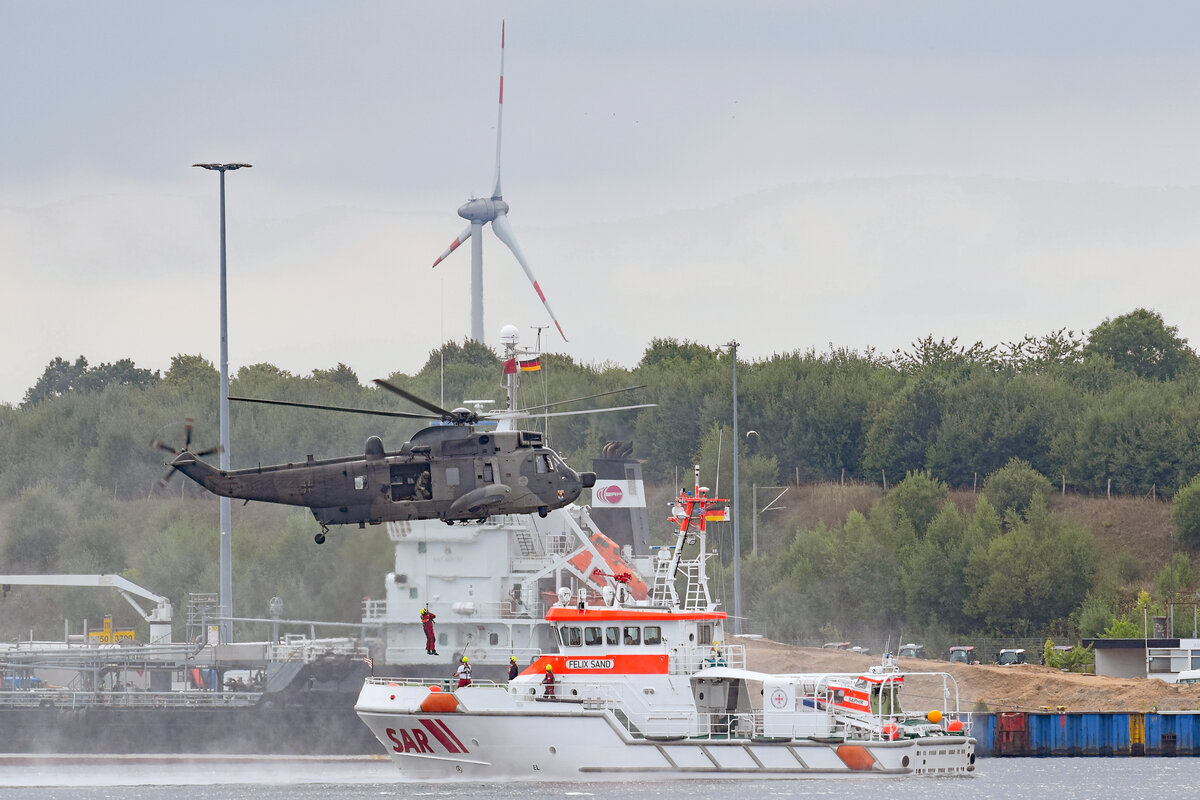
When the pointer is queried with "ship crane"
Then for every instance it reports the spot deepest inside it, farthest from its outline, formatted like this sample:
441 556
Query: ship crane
159 619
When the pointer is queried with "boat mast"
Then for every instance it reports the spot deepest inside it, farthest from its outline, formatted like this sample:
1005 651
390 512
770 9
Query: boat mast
691 513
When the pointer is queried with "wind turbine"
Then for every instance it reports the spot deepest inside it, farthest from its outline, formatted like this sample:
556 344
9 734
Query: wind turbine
481 211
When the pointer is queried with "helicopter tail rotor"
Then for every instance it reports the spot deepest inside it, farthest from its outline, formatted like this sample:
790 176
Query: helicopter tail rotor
158 444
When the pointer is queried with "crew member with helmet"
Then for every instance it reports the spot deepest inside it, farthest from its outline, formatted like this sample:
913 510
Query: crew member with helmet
548 682
463 673
715 658
427 618
513 669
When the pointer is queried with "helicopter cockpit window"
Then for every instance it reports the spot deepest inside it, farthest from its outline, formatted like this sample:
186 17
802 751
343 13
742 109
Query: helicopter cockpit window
544 463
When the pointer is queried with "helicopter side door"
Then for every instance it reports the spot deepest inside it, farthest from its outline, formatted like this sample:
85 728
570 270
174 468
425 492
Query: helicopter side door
410 482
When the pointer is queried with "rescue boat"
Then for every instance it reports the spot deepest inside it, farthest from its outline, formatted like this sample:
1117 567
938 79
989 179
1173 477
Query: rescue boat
651 688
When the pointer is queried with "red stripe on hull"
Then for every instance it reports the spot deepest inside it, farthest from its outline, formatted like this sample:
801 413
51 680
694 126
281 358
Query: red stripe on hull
441 737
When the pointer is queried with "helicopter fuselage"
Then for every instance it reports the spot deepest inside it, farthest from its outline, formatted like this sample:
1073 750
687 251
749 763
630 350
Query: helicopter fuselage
444 472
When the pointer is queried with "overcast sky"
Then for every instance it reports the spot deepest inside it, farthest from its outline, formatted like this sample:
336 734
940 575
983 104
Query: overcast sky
788 174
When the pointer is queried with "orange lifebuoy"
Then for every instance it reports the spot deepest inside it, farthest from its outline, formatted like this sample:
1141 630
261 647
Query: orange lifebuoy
439 703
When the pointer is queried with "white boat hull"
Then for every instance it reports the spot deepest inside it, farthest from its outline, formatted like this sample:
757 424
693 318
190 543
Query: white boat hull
592 745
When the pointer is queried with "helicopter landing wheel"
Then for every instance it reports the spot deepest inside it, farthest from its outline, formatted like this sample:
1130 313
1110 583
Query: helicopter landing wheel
543 511
319 538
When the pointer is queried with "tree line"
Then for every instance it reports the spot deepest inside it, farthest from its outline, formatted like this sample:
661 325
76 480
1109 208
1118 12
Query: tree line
1112 408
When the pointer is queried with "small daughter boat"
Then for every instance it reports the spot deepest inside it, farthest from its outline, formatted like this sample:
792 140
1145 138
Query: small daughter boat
653 689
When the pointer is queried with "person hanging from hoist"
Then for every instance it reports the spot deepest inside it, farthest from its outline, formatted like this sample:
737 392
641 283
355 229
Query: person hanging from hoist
463 673
427 618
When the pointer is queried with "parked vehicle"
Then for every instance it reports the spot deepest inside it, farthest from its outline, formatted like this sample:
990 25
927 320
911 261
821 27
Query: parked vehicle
963 654
912 651
1011 656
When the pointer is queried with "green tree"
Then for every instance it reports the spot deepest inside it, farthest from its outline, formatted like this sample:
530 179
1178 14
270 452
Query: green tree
341 375
191 370
1037 572
1014 485
1123 627
901 431
35 528
1175 576
1094 614
1185 513
1141 343
918 498
59 378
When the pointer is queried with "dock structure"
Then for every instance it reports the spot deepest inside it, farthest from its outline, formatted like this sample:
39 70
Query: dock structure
1067 733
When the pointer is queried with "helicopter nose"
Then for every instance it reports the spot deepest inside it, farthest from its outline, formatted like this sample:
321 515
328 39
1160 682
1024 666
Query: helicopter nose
588 479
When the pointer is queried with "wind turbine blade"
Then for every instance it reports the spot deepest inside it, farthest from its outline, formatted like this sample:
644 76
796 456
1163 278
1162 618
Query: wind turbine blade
500 113
462 237
504 233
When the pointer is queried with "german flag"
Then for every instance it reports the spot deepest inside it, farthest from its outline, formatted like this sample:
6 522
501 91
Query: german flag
532 365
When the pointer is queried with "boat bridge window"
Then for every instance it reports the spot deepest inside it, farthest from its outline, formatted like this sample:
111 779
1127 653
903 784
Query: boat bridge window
570 636
612 635
591 636
633 635
653 635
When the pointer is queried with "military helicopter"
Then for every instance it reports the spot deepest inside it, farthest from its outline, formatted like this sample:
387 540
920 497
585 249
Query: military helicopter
450 471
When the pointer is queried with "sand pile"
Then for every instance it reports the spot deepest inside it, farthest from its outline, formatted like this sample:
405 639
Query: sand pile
1024 687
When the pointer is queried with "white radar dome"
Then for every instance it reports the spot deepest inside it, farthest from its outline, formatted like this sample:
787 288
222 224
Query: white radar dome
509 334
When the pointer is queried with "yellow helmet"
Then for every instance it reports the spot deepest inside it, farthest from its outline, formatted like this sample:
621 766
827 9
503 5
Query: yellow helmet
464 659
512 658
549 668
423 611
716 644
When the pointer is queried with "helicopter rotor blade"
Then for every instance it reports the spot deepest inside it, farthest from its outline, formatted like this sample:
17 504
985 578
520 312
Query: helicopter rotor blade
346 409
524 413
504 232
165 479
579 399
412 398
187 427
207 452
163 446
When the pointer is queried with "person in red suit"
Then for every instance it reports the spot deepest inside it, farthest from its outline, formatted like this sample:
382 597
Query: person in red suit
427 618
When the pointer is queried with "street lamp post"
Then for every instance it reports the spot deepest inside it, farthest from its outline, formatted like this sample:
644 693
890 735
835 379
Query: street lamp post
737 531
225 597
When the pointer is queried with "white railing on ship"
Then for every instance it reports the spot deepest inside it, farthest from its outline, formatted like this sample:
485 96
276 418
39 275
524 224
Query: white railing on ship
376 610
686 660
300 648
80 699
